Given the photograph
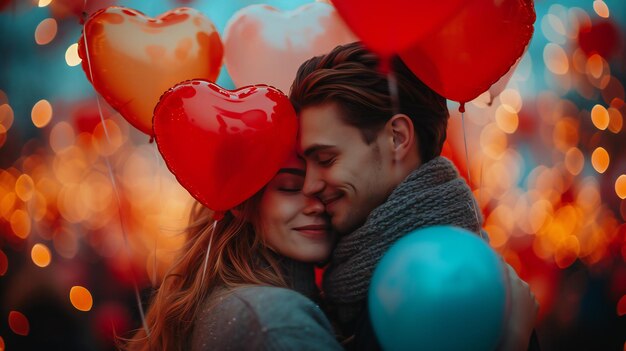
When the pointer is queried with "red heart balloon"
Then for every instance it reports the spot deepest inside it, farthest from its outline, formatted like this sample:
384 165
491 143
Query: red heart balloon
223 146
132 59
474 49
387 27
265 45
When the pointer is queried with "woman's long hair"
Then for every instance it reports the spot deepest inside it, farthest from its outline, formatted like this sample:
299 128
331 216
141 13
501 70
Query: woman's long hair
237 257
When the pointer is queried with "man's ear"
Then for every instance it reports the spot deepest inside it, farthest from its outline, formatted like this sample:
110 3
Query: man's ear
403 135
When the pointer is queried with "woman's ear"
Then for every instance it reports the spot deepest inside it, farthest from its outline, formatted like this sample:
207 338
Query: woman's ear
403 136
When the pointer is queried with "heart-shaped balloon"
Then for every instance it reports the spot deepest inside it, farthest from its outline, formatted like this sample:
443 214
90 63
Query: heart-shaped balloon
265 45
474 49
223 146
131 59
387 27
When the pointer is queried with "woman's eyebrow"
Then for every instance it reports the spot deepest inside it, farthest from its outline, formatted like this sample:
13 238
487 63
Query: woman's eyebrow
296 171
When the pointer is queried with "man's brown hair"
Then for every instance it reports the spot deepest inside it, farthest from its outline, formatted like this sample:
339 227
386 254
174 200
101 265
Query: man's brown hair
350 77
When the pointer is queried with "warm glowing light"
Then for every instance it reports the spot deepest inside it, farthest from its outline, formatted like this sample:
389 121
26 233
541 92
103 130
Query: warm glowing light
18 323
61 137
66 244
107 137
567 251
493 141
620 186
4 263
71 56
41 113
574 161
20 223
497 236
506 120
46 31
40 255
595 66
565 134
7 204
555 59
601 8
616 120
600 159
511 100
3 135
24 187
600 117
1 344
81 298
6 116
44 3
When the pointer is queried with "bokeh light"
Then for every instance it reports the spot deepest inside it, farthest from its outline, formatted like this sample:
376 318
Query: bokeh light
601 8
24 187
600 159
574 161
18 323
620 186
46 31
600 117
81 298
41 255
41 113
71 56
555 58
44 3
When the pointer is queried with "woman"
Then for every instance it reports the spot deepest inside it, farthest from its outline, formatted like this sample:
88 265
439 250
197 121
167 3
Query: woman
254 288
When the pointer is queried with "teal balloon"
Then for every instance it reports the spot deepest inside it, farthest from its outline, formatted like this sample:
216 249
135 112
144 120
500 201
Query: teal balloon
439 288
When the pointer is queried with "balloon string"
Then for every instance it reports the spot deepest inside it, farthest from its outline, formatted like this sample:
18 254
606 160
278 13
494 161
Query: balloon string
208 250
467 166
112 177
156 237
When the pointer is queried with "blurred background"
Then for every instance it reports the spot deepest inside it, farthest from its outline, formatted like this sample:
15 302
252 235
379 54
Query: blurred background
89 213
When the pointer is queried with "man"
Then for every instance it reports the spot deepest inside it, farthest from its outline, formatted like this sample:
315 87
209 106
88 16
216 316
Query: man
377 169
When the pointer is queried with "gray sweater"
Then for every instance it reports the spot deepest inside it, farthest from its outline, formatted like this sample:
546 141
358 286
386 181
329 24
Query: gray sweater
262 318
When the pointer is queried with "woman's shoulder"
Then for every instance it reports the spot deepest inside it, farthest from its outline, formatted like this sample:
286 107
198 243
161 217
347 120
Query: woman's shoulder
261 317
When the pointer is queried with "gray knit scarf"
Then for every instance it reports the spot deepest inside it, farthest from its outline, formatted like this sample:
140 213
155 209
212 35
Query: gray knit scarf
432 194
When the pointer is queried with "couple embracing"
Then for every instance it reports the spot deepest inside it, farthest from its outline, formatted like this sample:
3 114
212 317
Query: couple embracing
362 176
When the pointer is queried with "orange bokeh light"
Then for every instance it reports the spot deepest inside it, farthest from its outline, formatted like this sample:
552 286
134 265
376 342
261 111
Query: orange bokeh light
574 161
81 298
6 116
601 8
41 113
600 117
18 323
46 31
24 187
600 159
620 186
20 223
41 255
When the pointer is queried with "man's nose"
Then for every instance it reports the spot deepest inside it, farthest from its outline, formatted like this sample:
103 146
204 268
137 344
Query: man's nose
313 184
314 206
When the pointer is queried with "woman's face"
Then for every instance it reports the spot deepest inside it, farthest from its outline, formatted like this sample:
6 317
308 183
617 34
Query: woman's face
294 225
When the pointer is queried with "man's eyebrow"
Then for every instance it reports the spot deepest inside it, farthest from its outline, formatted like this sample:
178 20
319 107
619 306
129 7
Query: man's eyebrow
316 148
296 171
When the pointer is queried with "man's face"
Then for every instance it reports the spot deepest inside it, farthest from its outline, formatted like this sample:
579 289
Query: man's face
348 175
